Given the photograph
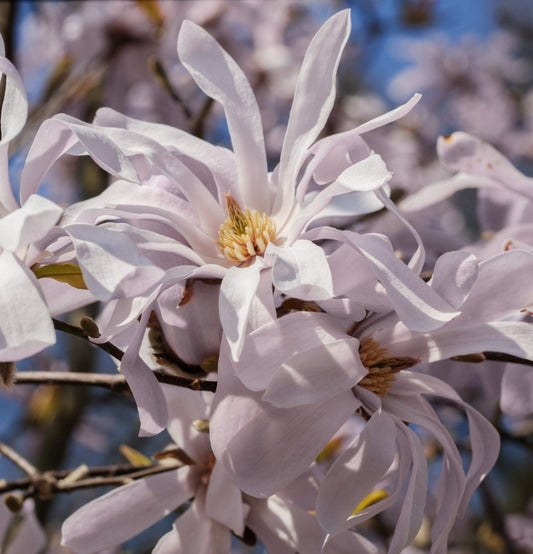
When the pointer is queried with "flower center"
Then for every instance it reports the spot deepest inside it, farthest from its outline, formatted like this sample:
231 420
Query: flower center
245 233
381 369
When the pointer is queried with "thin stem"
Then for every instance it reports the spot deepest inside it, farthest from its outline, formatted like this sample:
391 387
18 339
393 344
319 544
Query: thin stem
116 383
492 356
51 482
79 332
18 460
502 357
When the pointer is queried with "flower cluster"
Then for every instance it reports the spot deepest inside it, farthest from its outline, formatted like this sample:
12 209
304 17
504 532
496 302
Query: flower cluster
308 347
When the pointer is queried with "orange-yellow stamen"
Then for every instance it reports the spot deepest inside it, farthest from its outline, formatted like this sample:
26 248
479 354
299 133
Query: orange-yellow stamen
245 233
381 369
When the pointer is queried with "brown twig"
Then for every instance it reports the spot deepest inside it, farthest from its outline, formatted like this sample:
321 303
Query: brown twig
56 481
115 383
492 356
79 332
18 460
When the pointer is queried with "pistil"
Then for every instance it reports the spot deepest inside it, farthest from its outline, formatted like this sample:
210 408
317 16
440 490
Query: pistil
382 369
245 233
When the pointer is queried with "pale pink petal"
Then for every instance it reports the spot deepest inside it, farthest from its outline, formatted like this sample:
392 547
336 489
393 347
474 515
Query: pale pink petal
8 202
181 324
417 305
237 292
265 448
356 472
313 101
484 438
316 374
221 160
351 187
417 261
511 337
14 101
62 133
29 223
285 528
503 287
217 74
25 326
366 175
452 479
111 263
195 532
441 190
149 157
62 297
468 154
223 501
454 275
346 140
414 500
301 270
184 406
116 516
267 347
146 390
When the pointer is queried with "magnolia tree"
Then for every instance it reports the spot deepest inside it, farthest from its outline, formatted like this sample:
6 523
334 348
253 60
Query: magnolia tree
309 359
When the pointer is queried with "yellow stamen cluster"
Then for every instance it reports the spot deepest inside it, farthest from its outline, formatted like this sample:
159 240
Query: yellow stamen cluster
245 234
381 369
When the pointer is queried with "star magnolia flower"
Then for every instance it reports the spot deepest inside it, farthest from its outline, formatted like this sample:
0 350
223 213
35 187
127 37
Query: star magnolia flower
477 165
217 506
230 217
204 212
302 375
25 326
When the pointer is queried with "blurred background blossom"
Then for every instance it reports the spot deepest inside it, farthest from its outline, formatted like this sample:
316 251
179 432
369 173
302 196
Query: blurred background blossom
473 62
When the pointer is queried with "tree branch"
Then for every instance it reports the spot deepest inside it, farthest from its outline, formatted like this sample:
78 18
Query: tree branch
79 332
18 460
492 356
57 481
115 383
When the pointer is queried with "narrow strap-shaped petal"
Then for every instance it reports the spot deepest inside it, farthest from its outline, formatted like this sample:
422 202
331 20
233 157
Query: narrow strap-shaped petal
442 190
301 270
267 347
511 337
58 135
313 100
25 326
356 472
503 287
354 185
14 103
217 74
414 500
468 154
417 304
124 512
111 263
484 438
454 275
223 501
316 374
220 161
195 532
29 223
237 292
146 390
